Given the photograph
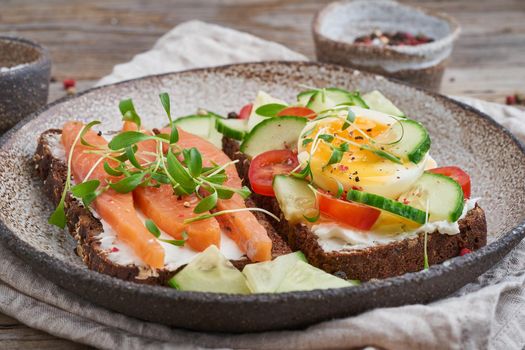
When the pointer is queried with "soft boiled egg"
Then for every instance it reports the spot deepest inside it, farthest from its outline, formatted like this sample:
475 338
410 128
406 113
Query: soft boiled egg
357 168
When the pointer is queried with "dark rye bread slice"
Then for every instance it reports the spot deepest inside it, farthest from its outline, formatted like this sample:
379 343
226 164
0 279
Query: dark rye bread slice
378 261
50 166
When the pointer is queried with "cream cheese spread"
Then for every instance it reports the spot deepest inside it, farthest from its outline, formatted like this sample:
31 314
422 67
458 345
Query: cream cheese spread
335 237
174 256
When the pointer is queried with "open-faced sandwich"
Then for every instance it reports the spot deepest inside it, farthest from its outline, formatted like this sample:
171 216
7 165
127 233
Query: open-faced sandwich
353 183
334 189
167 207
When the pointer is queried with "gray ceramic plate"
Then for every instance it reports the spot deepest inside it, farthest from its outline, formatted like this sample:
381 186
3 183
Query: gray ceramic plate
460 136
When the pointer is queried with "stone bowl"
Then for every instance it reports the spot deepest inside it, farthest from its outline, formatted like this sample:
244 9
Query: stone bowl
25 69
336 26
460 136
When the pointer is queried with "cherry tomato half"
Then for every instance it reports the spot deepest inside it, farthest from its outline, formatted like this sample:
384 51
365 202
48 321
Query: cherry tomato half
268 164
297 112
245 111
457 174
352 214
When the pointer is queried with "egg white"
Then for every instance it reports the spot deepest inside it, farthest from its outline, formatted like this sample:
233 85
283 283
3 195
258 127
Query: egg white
376 175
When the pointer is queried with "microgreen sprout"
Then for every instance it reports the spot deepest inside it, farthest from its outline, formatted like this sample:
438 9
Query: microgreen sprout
58 217
128 167
425 257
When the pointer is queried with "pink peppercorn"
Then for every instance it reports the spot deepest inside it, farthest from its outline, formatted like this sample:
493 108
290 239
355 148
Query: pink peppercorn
464 251
69 83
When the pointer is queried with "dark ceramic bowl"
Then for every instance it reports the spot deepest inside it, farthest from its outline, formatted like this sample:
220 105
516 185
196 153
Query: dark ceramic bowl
336 26
25 69
487 151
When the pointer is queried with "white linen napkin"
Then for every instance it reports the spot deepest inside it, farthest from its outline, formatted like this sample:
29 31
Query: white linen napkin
488 313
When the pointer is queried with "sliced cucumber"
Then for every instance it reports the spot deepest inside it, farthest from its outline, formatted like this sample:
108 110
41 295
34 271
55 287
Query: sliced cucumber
262 99
232 128
322 99
210 271
295 198
266 276
304 97
304 276
378 102
443 194
273 133
414 143
387 204
201 125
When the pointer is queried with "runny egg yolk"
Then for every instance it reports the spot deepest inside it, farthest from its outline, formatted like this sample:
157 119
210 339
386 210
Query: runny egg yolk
358 168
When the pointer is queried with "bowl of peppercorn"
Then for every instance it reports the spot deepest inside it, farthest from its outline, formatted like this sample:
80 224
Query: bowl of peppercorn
25 69
388 38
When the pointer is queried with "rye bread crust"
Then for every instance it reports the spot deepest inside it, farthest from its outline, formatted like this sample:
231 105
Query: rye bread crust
85 227
380 261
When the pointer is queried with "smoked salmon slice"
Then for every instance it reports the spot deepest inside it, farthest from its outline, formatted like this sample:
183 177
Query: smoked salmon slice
243 227
117 209
169 211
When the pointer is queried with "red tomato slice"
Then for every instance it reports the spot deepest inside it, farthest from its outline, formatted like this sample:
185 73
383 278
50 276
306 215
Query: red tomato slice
268 164
457 174
246 111
297 112
352 214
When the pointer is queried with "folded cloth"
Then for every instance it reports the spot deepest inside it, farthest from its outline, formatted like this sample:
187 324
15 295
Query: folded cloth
488 313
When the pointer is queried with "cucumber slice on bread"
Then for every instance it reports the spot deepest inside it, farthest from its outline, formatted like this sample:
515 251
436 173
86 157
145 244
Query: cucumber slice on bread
414 143
273 133
387 204
265 277
201 125
232 128
443 194
262 99
295 198
210 271
322 99
378 102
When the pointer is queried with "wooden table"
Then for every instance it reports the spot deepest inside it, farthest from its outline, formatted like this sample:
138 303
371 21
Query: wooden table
87 38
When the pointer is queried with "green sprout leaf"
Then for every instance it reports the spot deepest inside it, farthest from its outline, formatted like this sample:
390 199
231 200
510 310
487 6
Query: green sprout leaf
336 157
163 179
244 192
206 204
126 139
382 154
128 184
303 173
127 109
307 141
177 171
177 242
86 191
340 189
224 193
313 218
326 137
270 110
130 153
193 160
150 225
111 171
350 118
165 100
174 135
86 128
58 218
217 179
